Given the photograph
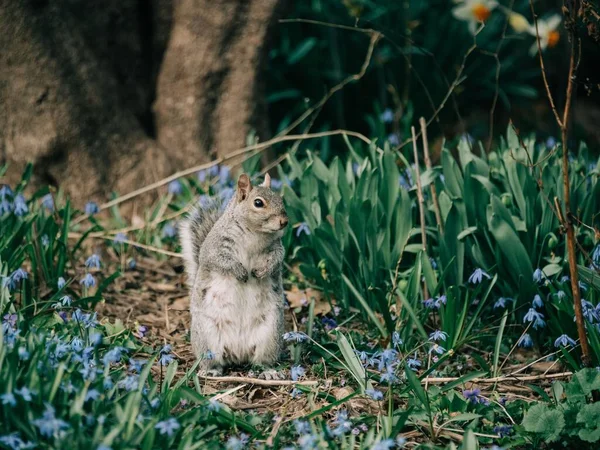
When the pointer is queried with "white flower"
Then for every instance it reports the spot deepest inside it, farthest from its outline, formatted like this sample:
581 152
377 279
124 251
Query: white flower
518 22
549 36
474 12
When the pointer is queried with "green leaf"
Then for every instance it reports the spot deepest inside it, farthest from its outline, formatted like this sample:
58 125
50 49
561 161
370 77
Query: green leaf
415 386
546 422
589 416
302 50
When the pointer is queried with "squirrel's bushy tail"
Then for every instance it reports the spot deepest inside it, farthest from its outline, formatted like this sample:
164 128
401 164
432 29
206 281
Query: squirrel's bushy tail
192 233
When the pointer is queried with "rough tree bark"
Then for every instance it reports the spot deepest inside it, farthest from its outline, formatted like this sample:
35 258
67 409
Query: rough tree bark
78 81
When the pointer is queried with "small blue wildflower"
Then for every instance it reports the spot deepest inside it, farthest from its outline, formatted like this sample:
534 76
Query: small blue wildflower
169 231
93 262
355 167
12 441
560 295
136 365
166 359
108 383
386 444
389 376
302 228
396 339
129 383
400 442
142 330
88 281
342 424
583 286
155 403
23 354
276 184
48 202
472 395
10 320
20 206
374 394
24 393
168 427
224 173
588 311
302 427
6 207
429 303
8 399
48 424
536 317
538 275
14 279
91 208
387 116
438 335
297 372
5 192
328 323
213 171
433 263
77 344
237 443
113 356
45 241
435 348
439 301
92 394
564 341
477 276
132 264
293 336
537 302
550 143
63 316
525 341
413 363
226 195
596 255
565 279
503 430
393 139
61 283
175 187
120 238
201 175
501 302
388 357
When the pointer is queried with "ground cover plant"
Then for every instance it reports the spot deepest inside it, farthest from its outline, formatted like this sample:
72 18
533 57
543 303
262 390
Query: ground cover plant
391 343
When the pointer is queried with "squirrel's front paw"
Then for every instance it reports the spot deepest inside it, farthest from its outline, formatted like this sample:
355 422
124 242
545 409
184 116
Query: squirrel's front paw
260 272
241 274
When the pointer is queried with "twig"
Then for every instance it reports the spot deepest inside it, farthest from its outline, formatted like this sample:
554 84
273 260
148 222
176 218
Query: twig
499 379
421 201
436 205
259 382
74 235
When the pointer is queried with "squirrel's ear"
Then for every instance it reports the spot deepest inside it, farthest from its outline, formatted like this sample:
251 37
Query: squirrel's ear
267 182
244 187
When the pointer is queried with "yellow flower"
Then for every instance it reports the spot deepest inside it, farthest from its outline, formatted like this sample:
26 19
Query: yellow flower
518 22
474 12
549 36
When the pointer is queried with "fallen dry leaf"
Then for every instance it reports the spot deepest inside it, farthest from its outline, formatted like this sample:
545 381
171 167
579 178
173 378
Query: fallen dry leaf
298 298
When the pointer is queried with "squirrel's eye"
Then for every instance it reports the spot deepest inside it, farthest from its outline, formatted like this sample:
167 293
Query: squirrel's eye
258 203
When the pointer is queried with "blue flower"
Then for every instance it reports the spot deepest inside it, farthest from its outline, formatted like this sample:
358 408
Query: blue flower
136 365
525 341
77 344
175 187
503 430
386 444
389 376
343 425
293 336
93 262
396 339
429 303
439 301
48 202
536 317
107 383
550 143
276 184
61 283
560 295
297 372
20 206
302 228
355 167
472 395
435 348
538 275
14 279
387 116
88 320
48 424
438 335
214 405
6 207
113 355
374 394
24 393
588 311
393 139
66 300
302 427
166 359
5 191
237 443
582 286
14 442
91 208
8 399
45 241
564 341
202 175
224 172
88 281
501 302
92 394
389 357
477 276
23 354
537 302
129 383
168 427
596 255
328 323
565 279
169 231
413 363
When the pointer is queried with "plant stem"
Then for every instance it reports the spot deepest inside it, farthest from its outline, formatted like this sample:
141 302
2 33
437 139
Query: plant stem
421 201
436 205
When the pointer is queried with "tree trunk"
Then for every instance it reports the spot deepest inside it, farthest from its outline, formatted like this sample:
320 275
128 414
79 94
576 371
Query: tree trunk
78 81
210 94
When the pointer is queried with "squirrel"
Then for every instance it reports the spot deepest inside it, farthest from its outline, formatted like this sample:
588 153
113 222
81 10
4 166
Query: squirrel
234 262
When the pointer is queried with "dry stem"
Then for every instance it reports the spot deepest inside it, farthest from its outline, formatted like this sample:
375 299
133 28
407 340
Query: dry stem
421 201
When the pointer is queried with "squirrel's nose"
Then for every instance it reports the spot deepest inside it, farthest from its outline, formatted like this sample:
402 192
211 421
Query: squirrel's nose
283 222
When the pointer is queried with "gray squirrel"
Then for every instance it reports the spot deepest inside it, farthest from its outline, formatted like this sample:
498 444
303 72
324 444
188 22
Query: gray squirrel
234 260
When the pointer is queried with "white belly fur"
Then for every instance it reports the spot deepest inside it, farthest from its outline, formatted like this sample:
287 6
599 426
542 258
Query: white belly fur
239 318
